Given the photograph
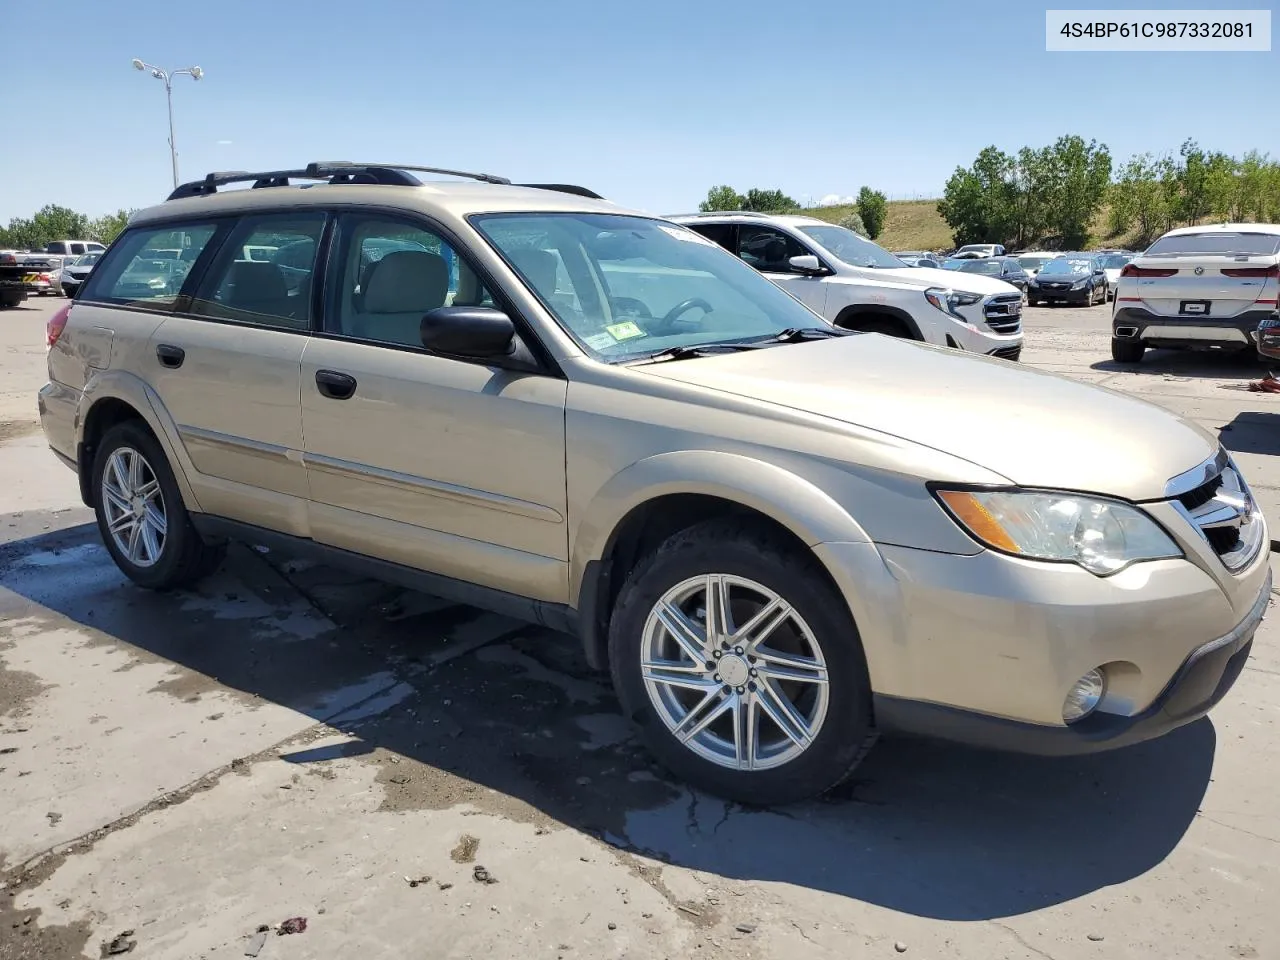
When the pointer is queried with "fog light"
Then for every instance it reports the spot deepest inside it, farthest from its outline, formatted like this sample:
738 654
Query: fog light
1085 696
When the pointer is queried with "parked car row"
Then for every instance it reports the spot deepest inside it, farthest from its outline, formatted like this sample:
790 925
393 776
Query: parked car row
44 269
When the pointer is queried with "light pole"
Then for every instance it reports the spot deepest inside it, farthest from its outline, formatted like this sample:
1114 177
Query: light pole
195 73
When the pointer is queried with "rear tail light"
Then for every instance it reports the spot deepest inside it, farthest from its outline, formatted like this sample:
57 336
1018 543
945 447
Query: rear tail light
1271 272
57 323
1131 271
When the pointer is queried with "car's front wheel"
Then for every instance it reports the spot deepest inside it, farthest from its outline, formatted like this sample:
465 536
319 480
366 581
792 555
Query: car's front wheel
141 517
741 665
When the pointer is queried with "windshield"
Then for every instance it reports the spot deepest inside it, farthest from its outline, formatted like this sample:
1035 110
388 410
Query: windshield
990 268
1065 267
625 287
854 250
951 263
1217 244
1034 263
1115 261
88 260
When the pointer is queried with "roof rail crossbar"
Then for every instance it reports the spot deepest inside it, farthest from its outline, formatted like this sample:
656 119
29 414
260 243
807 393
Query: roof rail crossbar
334 171
211 182
564 188
482 177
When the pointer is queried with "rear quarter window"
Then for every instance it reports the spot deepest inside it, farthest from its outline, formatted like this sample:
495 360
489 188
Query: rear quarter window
131 275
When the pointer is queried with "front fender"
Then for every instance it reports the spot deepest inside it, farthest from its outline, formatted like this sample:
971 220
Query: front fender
116 384
794 502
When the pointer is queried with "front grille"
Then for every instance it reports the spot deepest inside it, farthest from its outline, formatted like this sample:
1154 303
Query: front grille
1007 353
1004 313
1223 512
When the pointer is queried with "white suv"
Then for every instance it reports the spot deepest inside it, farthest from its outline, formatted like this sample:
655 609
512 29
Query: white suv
857 284
1204 287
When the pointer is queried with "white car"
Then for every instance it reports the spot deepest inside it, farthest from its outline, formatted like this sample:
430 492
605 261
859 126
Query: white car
857 284
1032 261
1205 287
980 250
1112 264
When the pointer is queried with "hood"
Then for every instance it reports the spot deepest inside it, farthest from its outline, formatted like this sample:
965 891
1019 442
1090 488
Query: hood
1036 429
925 277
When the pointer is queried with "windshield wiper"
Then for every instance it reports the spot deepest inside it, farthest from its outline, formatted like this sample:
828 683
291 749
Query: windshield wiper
800 334
688 352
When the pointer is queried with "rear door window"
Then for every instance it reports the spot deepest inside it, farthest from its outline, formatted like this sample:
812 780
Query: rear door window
249 281
129 277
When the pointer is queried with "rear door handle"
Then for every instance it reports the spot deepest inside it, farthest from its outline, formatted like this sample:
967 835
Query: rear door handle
335 385
170 356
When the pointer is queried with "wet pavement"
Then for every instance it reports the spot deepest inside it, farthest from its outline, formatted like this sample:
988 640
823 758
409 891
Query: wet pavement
419 778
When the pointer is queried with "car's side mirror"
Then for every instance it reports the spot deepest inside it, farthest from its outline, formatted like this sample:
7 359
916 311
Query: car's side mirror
482 333
806 263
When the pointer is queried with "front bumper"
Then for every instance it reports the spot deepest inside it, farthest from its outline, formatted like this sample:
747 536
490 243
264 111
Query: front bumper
1201 681
1059 296
1139 323
984 648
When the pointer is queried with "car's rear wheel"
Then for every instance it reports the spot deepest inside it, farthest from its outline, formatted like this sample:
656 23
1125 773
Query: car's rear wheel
741 665
1127 351
141 517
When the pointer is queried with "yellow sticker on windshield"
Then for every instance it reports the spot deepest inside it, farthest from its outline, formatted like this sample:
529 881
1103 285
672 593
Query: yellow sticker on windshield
626 330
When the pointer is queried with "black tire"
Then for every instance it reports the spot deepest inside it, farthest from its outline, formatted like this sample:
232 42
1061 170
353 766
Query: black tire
1127 351
740 549
184 556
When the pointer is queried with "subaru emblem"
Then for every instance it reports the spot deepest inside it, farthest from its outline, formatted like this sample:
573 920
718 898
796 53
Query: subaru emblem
1199 271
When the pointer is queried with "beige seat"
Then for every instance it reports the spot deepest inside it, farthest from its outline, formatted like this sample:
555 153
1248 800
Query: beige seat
397 291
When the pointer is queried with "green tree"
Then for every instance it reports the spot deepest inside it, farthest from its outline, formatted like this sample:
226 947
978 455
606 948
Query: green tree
1079 176
768 201
853 221
722 198
1138 199
873 208
106 228
979 203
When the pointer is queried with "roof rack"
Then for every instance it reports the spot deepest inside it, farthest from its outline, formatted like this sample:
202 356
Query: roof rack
345 171
563 188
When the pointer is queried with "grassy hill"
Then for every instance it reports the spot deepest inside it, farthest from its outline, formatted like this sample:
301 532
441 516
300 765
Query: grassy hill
911 225
916 225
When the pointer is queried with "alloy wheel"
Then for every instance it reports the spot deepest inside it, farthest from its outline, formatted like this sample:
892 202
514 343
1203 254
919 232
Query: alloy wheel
133 504
735 673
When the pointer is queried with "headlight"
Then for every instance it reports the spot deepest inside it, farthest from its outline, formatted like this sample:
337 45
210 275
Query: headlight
948 301
1079 284
1103 536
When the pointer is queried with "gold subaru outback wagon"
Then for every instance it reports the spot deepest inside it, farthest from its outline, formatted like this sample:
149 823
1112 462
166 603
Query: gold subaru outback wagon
779 537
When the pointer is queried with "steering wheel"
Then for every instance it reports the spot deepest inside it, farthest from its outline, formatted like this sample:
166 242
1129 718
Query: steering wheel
631 307
684 306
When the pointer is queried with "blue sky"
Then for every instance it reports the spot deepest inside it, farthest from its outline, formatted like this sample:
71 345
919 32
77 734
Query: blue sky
650 104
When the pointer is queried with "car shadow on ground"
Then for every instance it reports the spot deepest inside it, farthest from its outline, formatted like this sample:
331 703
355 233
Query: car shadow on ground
1255 431
1242 364
925 829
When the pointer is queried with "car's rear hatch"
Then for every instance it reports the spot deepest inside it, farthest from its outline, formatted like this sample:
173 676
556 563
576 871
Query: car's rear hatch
1216 274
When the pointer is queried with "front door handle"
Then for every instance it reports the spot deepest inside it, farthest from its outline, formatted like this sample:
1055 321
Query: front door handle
334 385
170 356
